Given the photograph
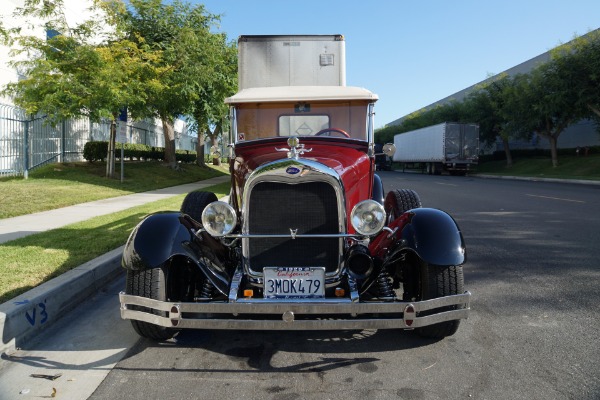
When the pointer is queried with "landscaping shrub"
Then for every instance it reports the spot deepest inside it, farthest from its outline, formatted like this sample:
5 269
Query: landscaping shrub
96 151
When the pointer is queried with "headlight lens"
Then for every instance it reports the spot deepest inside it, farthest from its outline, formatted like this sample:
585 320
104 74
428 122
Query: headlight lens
368 217
218 218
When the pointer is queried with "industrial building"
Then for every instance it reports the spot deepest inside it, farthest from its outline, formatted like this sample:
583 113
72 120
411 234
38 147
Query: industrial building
581 134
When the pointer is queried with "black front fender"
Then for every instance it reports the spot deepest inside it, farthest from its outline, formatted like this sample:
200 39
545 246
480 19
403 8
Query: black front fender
434 236
378 192
155 240
160 237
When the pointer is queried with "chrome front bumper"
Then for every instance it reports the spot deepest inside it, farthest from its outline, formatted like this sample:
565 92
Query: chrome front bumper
293 314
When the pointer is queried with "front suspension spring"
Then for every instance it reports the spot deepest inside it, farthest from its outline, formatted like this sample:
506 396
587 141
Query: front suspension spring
385 285
207 289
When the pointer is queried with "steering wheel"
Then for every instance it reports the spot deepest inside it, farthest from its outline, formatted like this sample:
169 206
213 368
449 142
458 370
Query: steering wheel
326 130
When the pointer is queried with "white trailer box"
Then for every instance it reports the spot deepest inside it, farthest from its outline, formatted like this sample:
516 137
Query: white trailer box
305 60
446 146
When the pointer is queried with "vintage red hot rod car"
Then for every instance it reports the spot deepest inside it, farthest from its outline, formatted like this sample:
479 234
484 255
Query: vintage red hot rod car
307 238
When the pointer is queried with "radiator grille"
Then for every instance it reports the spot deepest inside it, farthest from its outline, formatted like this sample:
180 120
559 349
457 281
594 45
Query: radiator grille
310 207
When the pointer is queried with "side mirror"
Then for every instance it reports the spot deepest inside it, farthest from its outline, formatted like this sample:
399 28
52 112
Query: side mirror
389 149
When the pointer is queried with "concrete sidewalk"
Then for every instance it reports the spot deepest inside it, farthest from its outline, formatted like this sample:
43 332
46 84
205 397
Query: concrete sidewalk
25 317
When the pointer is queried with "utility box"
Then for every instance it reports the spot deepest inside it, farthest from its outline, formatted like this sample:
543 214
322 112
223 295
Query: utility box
298 60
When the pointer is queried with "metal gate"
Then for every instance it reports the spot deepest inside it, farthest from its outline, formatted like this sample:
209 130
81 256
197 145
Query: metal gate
27 142
12 144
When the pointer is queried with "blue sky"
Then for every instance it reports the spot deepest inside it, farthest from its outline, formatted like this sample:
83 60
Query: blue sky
413 53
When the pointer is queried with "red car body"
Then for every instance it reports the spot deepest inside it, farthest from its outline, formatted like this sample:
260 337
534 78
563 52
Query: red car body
307 232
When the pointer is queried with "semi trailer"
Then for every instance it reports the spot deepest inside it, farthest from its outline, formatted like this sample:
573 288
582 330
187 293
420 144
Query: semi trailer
450 147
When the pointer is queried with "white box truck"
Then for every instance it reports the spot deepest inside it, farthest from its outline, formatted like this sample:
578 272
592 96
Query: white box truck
285 60
448 146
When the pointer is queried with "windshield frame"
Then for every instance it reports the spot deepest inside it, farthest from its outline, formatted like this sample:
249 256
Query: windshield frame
250 120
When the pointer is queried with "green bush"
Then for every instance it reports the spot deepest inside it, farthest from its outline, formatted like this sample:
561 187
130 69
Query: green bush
135 151
96 151
185 156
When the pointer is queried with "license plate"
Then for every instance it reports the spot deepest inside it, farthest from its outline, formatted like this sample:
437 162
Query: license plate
300 282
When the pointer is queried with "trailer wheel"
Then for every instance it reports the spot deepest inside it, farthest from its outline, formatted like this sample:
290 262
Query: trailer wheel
429 169
195 202
151 284
397 202
439 281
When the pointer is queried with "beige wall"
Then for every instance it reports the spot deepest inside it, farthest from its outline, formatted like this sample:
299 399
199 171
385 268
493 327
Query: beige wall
75 11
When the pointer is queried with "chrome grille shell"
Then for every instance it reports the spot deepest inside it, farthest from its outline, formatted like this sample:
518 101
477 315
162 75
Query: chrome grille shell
306 171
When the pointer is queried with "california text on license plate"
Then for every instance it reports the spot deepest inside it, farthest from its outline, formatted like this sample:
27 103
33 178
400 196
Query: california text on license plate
298 282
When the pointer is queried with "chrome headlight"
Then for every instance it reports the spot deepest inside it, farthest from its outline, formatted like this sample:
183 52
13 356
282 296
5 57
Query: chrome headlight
368 217
218 218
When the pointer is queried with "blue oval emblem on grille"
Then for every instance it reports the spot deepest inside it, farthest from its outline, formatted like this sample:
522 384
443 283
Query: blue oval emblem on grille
292 170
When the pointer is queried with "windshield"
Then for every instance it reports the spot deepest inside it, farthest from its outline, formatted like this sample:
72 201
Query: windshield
267 120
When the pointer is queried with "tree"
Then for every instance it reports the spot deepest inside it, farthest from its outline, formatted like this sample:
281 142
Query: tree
210 111
578 62
181 33
490 105
386 134
453 111
78 72
547 104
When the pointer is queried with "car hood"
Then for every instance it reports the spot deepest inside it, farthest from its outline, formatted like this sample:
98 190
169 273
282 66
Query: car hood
347 158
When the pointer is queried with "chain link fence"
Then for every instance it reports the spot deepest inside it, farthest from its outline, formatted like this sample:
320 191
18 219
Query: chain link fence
27 142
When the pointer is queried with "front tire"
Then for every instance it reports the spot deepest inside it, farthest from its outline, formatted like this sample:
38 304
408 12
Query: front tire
397 202
439 281
195 202
151 284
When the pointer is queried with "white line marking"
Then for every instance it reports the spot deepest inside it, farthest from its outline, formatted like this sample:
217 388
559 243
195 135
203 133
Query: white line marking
555 198
446 184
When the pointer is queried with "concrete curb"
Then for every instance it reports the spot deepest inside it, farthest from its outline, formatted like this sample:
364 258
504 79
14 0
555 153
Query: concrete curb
32 313
29 315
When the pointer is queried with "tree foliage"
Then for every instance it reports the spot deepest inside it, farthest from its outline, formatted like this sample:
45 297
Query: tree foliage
81 71
578 62
453 111
69 75
190 55
488 106
158 60
210 111
546 105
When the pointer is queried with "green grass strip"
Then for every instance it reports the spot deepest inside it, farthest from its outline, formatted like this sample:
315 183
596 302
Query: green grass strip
59 185
32 260
569 167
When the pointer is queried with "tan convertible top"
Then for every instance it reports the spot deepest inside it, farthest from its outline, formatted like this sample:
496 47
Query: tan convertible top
300 93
